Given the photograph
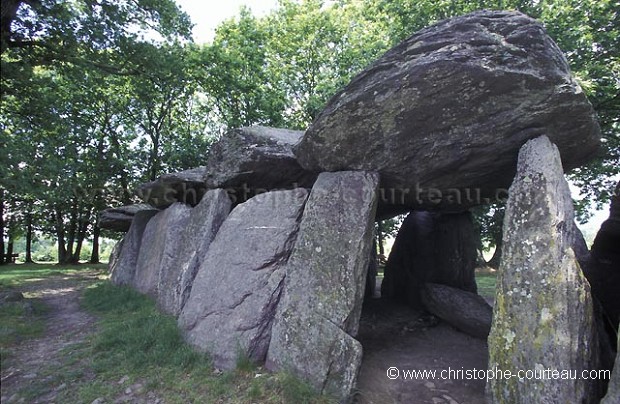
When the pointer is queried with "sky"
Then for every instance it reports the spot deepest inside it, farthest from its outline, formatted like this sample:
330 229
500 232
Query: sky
207 14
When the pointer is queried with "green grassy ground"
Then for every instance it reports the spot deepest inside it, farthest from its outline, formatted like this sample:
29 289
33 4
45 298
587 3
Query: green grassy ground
134 345
486 283
14 275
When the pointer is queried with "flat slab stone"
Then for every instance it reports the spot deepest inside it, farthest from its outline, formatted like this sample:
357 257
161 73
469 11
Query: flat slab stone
123 264
119 219
185 186
160 244
234 296
543 315
463 310
176 279
318 316
442 115
251 160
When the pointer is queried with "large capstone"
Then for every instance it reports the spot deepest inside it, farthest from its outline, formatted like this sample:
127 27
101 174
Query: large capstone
158 252
185 186
431 248
234 296
123 266
318 315
543 316
177 276
119 219
251 160
442 115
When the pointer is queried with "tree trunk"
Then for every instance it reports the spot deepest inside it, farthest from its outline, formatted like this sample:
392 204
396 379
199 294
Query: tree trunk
28 238
73 228
2 257
83 227
94 256
9 249
60 237
380 240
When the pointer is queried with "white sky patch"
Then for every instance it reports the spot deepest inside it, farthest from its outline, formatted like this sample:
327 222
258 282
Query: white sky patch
208 14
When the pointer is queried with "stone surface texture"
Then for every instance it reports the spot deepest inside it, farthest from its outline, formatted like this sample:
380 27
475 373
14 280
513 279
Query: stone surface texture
185 186
250 160
318 315
543 316
119 219
177 277
613 389
431 248
158 252
122 269
466 311
604 269
234 296
449 108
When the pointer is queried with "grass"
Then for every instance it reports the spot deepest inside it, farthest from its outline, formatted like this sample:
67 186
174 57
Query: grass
137 344
20 321
14 275
486 283
25 319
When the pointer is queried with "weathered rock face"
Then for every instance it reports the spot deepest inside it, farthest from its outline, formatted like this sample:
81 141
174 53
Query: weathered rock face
251 160
204 221
119 219
115 255
604 266
466 311
325 278
450 107
186 187
122 269
233 300
158 252
543 316
430 247
613 390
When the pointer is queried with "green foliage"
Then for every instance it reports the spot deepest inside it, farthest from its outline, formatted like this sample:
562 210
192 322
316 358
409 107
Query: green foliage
97 97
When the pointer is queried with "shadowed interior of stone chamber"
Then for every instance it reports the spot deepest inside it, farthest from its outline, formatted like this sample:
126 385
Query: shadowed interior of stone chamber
422 311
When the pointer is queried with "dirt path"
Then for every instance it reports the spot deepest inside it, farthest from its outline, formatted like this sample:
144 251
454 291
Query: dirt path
397 337
32 361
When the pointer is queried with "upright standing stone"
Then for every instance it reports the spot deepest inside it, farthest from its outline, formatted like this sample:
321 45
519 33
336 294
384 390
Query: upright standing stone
160 244
234 296
604 268
319 313
613 390
123 268
177 276
431 247
543 317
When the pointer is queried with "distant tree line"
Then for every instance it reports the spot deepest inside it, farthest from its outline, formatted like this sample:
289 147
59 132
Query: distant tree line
98 96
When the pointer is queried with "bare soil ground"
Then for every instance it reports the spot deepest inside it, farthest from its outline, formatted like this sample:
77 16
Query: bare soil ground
399 337
66 325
